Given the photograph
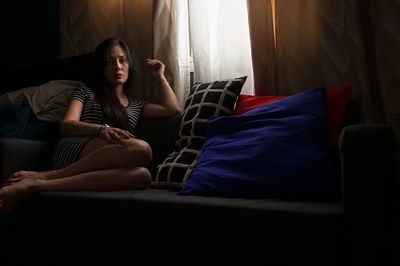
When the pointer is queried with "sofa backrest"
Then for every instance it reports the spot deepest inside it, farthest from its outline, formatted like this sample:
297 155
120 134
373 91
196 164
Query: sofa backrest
72 68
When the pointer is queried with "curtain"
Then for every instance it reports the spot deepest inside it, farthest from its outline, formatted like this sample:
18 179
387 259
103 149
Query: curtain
331 43
220 40
385 24
261 27
171 43
85 23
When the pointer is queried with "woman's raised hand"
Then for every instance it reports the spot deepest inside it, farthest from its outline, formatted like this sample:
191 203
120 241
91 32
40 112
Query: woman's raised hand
156 68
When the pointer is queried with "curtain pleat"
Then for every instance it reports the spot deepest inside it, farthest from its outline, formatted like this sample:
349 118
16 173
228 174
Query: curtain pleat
138 33
386 29
261 29
171 43
85 23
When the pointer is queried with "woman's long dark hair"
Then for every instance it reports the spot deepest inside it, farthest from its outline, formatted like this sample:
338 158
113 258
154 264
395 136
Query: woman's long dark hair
114 112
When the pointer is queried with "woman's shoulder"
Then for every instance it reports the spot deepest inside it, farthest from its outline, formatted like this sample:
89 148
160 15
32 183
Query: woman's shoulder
85 89
82 92
136 102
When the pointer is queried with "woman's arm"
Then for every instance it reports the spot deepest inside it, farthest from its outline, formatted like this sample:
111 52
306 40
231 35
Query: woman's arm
72 126
169 104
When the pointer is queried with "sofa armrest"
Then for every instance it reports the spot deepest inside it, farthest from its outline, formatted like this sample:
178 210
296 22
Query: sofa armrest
22 154
367 154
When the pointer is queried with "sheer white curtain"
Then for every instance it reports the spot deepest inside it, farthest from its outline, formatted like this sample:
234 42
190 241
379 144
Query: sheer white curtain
171 43
219 37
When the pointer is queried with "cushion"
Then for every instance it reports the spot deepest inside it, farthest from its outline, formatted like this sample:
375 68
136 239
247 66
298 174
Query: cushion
49 101
279 150
206 99
13 119
249 102
18 121
338 99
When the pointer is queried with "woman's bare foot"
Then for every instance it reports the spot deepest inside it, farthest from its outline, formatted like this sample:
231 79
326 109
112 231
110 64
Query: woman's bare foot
11 195
20 175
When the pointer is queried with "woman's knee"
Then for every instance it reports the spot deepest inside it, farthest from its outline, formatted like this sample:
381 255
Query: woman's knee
139 151
145 149
141 177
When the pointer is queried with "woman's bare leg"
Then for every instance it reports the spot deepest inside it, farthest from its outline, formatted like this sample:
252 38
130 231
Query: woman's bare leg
97 155
135 178
91 146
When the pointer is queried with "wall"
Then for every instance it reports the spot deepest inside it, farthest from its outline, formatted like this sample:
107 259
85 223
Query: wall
30 33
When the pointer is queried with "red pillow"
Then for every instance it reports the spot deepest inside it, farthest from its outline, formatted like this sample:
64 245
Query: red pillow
337 100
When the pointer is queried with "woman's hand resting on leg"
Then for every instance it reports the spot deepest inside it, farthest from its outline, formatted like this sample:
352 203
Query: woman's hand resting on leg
114 135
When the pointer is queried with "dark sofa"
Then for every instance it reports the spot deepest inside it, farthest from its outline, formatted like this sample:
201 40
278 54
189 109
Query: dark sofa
158 227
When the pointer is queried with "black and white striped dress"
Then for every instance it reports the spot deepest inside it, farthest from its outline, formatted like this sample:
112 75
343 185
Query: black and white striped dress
67 149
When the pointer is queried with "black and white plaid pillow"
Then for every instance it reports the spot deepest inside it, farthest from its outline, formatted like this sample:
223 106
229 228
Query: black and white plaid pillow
205 99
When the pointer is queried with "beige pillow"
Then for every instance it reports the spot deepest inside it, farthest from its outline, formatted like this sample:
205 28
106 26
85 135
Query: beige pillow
48 101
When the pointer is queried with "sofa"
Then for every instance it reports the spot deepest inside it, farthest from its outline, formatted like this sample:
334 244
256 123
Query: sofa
159 227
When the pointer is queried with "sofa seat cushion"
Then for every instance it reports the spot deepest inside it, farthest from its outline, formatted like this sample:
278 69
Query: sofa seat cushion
166 197
249 229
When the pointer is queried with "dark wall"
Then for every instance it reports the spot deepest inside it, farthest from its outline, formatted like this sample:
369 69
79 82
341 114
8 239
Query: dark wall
30 33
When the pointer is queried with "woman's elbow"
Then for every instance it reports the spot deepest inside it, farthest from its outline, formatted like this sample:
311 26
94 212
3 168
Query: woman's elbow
64 128
176 111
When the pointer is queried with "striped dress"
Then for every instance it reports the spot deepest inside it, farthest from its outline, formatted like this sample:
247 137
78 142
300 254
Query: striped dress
68 149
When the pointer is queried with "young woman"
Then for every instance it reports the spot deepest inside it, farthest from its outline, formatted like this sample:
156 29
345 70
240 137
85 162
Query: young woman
99 151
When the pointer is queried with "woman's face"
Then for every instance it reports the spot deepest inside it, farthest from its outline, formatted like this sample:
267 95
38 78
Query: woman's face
117 69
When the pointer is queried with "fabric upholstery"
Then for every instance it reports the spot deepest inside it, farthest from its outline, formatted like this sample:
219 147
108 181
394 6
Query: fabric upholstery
156 221
13 119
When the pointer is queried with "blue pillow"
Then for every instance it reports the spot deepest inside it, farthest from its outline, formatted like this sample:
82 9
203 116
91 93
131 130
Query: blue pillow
18 121
279 150
13 119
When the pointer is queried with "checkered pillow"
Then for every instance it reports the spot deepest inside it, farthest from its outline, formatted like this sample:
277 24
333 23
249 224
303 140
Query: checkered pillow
205 99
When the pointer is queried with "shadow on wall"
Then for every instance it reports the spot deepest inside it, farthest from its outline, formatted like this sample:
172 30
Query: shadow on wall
30 31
